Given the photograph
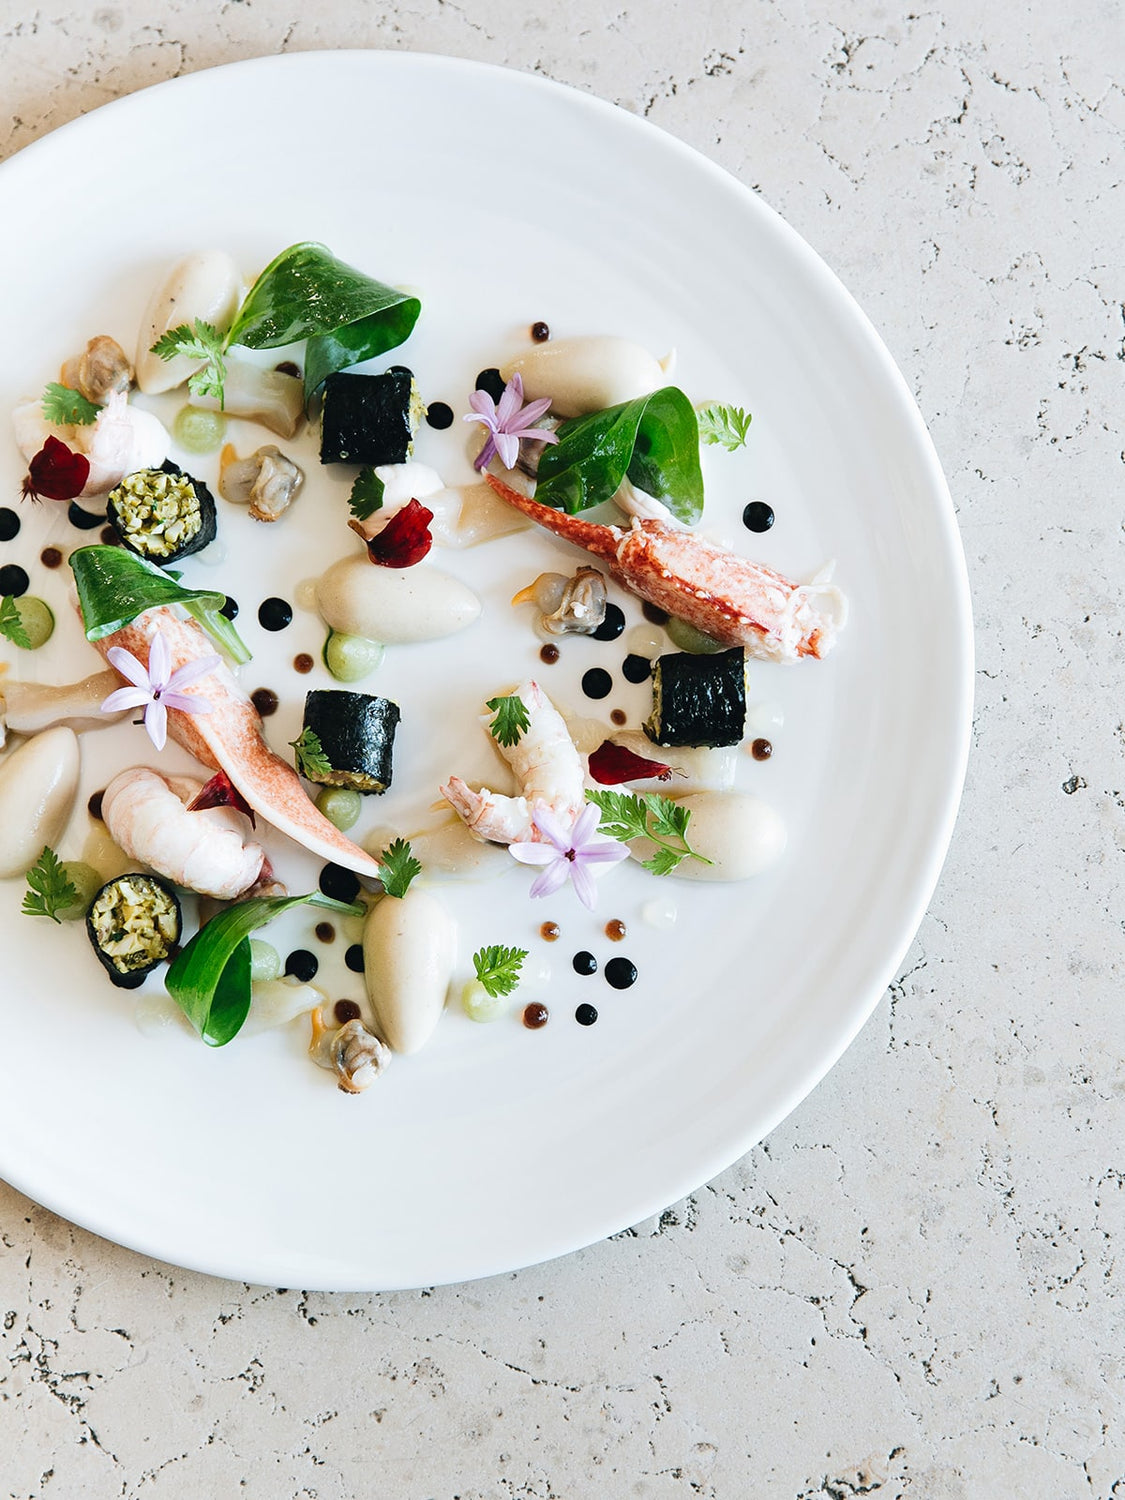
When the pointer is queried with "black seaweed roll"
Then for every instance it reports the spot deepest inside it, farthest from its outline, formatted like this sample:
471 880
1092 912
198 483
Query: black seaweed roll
356 732
369 419
162 514
133 923
698 700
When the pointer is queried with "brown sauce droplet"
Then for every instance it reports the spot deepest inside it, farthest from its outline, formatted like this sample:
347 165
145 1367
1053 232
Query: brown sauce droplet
549 654
303 662
615 930
549 932
535 1015
50 557
325 932
265 701
618 716
761 749
345 1011
654 614
94 806
108 536
287 367
540 332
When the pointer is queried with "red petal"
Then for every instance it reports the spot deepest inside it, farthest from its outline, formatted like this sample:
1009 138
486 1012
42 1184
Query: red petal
611 764
220 791
405 539
55 473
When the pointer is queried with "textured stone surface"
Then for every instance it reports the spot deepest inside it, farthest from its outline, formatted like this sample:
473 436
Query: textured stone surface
910 1290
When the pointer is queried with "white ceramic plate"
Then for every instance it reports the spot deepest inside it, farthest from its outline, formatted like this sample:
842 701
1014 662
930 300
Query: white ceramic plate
503 199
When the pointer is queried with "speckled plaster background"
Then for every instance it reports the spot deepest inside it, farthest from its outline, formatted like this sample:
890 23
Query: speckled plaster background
912 1288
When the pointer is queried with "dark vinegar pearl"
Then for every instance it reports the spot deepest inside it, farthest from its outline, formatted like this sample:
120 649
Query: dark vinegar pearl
757 516
287 367
636 668
761 749
549 932
94 806
585 1015
302 964
535 1014
9 524
265 701
439 415
108 537
229 608
354 958
549 654
621 973
340 884
618 716
325 932
50 557
597 683
613 624
345 1011
303 663
584 963
275 614
654 614
84 520
615 930
492 382
540 332
13 580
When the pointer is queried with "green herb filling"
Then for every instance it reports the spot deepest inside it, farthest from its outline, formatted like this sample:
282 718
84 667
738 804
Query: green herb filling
135 922
157 513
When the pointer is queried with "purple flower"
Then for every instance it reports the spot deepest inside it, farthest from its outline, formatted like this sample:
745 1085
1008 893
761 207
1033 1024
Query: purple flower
508 422
156 686
568 852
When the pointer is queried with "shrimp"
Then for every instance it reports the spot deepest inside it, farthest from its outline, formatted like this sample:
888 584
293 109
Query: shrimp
147 816
122 440
547 766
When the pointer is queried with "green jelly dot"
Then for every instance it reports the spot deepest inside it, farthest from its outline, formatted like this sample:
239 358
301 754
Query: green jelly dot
199 431
350 657
36 619
265 961
340 805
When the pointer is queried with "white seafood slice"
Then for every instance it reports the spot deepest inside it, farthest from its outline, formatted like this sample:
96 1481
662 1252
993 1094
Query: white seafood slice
740 834
582 375
37 787
206 285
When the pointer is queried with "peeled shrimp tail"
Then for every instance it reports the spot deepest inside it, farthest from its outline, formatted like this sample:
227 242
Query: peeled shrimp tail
490 815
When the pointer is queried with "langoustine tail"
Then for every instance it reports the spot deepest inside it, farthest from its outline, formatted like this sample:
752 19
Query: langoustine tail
602 541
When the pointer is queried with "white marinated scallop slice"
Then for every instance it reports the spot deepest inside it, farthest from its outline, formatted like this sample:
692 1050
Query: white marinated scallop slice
471 514
276 1002
394 605
452 853
741 835
582 375
206 285
258 394
37 787
409 952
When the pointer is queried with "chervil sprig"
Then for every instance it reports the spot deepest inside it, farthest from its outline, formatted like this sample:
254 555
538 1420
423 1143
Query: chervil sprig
309 754
51 889
68 408
509 720
724 424
626 815
199 340
498 968
367 494
11 625
398 867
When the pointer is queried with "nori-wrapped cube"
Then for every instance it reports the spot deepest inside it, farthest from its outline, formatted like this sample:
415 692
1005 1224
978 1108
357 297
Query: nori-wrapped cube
698 700
162 514
369 419
133 923
357 735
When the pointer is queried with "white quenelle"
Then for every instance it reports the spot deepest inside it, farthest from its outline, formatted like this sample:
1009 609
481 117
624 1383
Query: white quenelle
582 375
206 285
393 605
409 951
38 783
740 834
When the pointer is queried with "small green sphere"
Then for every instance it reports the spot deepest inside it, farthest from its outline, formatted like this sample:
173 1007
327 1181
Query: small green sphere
479 1005
340 805
350 657
87 882
36 619
199 431
265 961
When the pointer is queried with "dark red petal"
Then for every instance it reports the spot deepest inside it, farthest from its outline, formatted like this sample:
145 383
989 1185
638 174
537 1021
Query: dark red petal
405 539
612 764
220 791
55 473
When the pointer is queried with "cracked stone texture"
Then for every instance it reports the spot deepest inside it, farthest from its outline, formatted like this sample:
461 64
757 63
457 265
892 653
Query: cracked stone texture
910 1290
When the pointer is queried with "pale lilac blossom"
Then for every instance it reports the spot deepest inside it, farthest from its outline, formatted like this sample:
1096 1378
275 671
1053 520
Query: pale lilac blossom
507 422
156 686
568 852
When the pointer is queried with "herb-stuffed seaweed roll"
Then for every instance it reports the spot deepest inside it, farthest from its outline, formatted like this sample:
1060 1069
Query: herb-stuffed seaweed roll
162 514
698 700
356 735
133 923
369 419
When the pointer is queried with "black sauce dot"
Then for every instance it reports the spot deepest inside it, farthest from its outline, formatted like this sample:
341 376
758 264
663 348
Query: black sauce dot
585 1015
345 1011
492 382
302 964
275 614
540 332
584 963
621 973
757 516
613 624
51 557
597 683
85 520
13 580
94 806
439 415
265 700
340 884
636 668
230 608
354 958
108 536
654 614
9 524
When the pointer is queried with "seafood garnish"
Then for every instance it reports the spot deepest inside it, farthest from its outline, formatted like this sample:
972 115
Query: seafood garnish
102 368
730 598
549 771
267 481
567 605
355 1054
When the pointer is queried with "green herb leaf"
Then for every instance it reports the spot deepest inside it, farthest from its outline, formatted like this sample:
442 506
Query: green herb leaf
347 316
115 586
11 625
309 754
727 425
398 867
67 408
498 969
625 816
653 441
51 890
510 720
210 977
198 340
367 494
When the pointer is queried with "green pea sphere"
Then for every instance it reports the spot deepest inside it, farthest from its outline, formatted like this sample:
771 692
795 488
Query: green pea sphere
265 961
340 805
351 657
479 1005
37 620
199 431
